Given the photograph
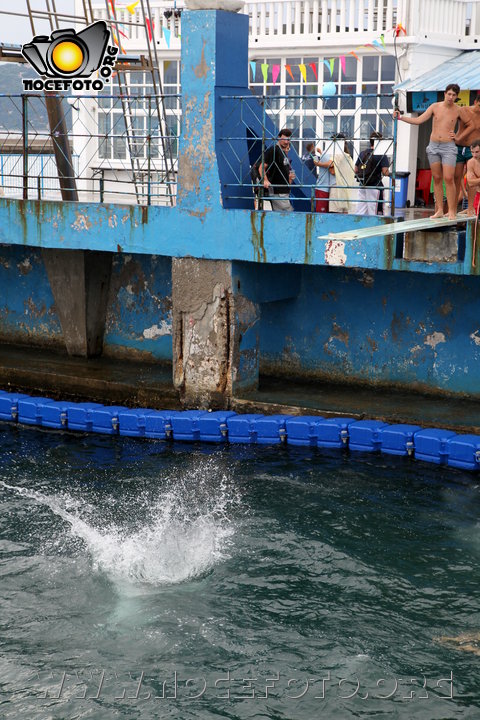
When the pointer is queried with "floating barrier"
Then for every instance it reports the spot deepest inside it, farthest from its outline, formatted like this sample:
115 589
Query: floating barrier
442 447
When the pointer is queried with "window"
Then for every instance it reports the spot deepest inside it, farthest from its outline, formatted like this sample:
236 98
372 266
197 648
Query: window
139 111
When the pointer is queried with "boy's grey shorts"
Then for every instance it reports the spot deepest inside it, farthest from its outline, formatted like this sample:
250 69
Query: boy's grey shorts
442 152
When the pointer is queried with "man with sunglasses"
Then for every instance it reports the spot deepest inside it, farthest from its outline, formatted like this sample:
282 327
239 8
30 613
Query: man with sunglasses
277 172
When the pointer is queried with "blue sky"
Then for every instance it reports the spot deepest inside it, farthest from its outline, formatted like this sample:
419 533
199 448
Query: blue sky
17 30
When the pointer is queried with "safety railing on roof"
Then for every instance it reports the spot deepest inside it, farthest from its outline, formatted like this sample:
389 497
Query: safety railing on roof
105 148
340 128
288 22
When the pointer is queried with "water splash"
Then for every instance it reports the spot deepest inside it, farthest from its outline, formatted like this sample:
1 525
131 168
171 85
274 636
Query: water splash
183 532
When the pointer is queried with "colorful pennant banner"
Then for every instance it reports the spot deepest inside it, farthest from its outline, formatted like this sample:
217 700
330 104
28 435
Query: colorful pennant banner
376 44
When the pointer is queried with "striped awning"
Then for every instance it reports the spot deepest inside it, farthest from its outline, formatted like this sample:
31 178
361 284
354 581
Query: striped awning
463 70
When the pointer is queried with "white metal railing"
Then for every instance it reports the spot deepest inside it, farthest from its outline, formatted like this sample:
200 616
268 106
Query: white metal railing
300 21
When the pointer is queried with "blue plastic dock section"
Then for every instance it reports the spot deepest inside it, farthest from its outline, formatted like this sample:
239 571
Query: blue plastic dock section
365 435
270 429
242 428
442 447
398 439
431 445
213 426
333 433
303 430
464 452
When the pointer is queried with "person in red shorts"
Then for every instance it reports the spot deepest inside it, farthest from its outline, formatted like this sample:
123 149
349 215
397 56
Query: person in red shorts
473 178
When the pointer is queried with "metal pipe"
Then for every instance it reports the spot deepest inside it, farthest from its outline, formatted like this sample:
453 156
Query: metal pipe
61 147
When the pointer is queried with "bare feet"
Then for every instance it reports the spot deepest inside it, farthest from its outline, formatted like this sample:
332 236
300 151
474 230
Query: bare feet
464 212
452 215
438 214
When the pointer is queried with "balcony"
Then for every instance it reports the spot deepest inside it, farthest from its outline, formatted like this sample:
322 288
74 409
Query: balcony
280 24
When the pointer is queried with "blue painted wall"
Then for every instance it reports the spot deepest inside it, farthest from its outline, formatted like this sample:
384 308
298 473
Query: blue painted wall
139 322
27 309
378 327
139 315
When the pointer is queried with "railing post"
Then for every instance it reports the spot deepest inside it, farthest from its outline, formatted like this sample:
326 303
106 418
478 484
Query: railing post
394 160
25 145
149 150
102 186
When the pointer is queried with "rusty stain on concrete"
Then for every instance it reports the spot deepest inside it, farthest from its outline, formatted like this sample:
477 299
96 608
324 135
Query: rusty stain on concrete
335 253
373 344
309 225
112 221
201 69
197 154
32 309
257 236
397 325
446 308
340 334
199 214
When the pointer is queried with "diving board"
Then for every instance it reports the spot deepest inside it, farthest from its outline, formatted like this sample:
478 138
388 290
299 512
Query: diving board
394 228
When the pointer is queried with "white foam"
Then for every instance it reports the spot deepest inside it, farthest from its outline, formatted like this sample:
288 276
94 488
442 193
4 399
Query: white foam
188 529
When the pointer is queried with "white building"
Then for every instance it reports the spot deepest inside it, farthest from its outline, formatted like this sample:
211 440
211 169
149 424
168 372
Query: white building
363 46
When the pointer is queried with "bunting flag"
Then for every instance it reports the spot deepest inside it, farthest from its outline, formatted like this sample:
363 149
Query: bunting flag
166 35
352 52
314 70
377 44
399 29
122 33
253 68
131 8
325 62
342 63
289 70
303 70
332 65
150 27
265 67
275 73
112 6
382 40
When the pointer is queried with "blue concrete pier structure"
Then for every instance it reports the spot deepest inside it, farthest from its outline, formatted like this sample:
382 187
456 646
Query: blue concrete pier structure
225 292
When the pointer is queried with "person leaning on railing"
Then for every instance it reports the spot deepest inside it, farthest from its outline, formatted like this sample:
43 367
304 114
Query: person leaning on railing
277 172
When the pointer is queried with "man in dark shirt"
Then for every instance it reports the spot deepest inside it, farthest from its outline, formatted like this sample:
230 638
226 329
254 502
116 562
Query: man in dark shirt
277 172
370 169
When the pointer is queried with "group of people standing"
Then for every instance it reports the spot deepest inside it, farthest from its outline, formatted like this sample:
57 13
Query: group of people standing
343 185
454 144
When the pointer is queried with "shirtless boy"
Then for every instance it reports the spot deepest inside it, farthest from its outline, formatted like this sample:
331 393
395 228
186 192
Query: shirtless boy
473 178
441 151
468 131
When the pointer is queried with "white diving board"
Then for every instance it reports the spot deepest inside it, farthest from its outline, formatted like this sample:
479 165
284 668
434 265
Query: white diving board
394 228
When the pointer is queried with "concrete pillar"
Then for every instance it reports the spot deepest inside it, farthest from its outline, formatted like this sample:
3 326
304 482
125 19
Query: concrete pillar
208 315
80 280
215 333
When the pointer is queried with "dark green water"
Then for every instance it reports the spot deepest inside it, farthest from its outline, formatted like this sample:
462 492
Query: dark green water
139 580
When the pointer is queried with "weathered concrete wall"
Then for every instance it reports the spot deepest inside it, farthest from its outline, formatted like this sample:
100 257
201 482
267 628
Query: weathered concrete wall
138 309
389 328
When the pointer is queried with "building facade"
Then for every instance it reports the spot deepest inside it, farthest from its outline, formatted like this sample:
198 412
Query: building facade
363 47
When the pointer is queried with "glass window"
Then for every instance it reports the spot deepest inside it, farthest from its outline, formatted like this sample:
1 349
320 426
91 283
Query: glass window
388 68
104 130
370 68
